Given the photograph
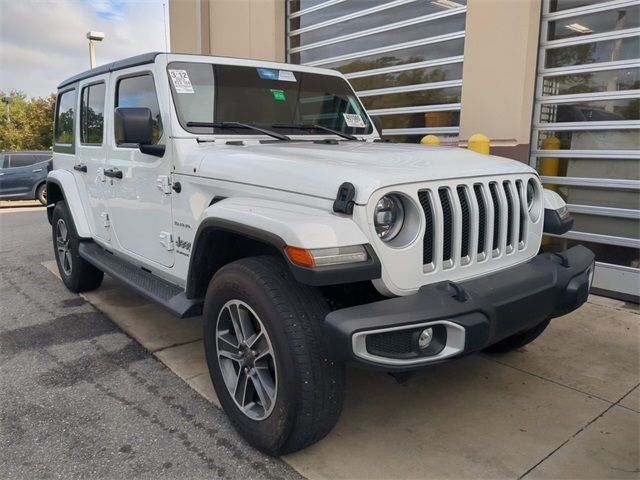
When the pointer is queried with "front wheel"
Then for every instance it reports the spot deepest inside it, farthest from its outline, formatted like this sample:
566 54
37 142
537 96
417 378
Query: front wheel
267 357
519 339
77 274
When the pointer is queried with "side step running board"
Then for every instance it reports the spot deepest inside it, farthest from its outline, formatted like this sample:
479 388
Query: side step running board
167 295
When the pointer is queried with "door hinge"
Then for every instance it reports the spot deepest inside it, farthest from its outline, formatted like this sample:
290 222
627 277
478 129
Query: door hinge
164 184
105 219
166 240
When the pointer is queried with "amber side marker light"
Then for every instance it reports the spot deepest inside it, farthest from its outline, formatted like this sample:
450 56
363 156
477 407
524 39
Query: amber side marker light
321 257
300 256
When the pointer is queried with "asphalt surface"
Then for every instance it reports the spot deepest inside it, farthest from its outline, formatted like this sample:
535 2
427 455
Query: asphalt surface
81 399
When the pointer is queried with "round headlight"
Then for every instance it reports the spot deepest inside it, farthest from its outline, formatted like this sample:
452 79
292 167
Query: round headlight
531 194
388 217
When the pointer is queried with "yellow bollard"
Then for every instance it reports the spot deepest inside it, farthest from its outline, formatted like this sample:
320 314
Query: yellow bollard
430 140
550 166
479 143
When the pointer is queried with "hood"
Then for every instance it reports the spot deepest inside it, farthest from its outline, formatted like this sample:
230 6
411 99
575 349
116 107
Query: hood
319 169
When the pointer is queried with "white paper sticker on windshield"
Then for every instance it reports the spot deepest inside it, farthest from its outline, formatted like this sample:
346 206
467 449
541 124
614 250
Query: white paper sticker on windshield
181 81
281 75
353 120
286 76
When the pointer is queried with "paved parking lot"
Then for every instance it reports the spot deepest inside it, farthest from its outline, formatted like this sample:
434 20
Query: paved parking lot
567 406
81 399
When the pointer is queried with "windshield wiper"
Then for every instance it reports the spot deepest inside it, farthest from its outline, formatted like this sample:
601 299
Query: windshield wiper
305 126
271 133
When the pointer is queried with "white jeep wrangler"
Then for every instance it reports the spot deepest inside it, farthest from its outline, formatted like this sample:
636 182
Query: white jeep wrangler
261 196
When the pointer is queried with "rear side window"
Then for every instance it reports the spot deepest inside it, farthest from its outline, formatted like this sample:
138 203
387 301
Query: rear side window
22 160
3 159
140 91
92 114
65 117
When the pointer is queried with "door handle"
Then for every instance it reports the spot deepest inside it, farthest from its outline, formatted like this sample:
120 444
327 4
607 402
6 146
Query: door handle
113 173
1 174
81 167
37 170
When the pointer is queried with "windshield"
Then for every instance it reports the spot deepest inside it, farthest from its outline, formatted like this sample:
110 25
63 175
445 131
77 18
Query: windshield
280 100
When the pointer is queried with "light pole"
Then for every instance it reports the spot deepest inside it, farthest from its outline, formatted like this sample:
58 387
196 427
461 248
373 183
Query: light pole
97 37
7 100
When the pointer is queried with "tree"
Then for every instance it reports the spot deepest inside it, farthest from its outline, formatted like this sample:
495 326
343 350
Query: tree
26 124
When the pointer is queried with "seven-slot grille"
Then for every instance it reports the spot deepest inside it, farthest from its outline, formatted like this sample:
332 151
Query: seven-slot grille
473 222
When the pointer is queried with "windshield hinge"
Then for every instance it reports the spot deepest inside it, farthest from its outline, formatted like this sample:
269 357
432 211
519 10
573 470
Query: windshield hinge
164 184
344 199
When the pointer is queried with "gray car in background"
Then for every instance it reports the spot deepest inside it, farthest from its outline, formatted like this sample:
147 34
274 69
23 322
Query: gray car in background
23 175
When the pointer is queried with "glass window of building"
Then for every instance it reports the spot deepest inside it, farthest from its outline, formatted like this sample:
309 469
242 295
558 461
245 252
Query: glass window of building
403 58
586 131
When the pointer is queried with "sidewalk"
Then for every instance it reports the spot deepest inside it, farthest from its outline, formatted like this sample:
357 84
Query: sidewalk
21 206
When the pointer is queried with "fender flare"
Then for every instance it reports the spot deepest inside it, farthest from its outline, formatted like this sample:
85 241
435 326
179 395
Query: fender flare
277 225
66 182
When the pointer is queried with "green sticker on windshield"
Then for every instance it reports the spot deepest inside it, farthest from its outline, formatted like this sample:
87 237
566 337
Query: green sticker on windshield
278 95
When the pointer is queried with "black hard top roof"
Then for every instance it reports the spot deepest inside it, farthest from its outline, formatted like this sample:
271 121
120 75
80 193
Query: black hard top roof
110 67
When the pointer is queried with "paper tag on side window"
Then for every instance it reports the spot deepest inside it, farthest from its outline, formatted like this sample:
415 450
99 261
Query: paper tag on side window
181 81
353 120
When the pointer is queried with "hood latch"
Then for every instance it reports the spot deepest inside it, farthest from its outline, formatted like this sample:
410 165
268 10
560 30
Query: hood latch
344 199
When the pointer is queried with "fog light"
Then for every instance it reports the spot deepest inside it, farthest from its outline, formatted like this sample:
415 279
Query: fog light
424 340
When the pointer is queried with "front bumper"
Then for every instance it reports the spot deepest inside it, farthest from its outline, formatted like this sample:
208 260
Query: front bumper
465 317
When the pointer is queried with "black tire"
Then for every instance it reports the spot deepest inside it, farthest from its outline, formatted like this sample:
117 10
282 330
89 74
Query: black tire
77 274
309 386
518 340
41 194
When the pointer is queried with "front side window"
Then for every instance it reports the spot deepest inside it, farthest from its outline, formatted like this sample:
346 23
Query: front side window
64 117
268 98
140 92
92 114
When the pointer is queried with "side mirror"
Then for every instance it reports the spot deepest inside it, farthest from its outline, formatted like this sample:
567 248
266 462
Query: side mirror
377 122
135 126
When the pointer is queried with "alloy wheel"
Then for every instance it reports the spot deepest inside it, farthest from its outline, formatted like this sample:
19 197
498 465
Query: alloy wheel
246 359
63 248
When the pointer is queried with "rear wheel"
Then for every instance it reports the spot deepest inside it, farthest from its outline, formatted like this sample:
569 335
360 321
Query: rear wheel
41 194
518 340
267 357
77 274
